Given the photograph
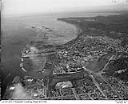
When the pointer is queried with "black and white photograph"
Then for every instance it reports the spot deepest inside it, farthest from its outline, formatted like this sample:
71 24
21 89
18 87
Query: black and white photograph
64 50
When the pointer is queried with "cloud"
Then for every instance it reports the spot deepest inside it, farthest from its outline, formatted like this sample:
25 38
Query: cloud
14 7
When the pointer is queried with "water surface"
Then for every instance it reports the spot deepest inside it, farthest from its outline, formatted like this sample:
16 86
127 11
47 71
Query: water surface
17 32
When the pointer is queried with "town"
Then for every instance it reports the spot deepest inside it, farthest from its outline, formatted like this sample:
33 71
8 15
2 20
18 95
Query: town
92 66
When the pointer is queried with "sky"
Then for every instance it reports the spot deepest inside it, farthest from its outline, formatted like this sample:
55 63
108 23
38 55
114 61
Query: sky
22 7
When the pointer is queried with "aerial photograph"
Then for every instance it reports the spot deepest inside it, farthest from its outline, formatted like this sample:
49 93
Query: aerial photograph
64 50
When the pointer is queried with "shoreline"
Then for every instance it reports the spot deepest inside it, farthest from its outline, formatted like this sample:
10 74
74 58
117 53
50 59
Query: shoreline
86 56
78 31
